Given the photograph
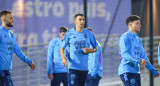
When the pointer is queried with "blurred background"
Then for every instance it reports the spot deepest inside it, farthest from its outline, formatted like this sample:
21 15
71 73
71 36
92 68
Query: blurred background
38 21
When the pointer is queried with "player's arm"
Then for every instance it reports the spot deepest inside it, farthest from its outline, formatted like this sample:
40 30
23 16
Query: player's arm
50 57
19 53
64 45
159 54
64 61
93 44
96 60
89 50
149 66
125 46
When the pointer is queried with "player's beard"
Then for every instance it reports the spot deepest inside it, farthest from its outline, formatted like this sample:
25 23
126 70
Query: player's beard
9 24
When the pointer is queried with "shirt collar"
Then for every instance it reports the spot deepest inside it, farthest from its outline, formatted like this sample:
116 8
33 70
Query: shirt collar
4 28
60 39
134 35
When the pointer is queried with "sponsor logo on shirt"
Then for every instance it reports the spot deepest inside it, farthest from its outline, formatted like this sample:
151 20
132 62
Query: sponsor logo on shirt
85 35
137 50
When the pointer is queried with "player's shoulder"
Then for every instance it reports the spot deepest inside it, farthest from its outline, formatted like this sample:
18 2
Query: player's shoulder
124 35
86 30
70 31
1 30
54 40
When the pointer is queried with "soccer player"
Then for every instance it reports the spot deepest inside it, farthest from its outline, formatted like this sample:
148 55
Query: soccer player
56 71
132 54
8 45
94 66
79 39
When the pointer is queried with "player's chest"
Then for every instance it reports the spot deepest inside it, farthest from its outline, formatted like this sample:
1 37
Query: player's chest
136 47
57 45
6 39
79 38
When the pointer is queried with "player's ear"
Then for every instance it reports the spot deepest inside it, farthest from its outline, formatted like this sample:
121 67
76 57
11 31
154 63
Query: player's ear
74 21
130 24
3 18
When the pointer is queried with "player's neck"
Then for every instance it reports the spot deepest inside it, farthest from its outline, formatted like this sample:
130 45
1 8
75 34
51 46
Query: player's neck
61 38
5 26
134 32
79 29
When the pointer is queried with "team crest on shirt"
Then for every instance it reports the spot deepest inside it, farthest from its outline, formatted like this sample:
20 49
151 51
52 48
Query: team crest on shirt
85 35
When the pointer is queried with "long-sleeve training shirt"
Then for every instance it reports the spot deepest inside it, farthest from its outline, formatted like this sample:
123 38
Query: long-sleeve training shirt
95 62
78 41
131 52
8 45
54 59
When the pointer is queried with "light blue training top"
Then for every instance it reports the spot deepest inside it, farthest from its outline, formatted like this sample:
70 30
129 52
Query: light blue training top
131 52
77 41
8 45
95 62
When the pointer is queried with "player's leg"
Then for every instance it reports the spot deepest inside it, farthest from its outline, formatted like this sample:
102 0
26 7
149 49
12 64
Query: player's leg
56 79
1 80
82 77
73 77
90 80
5 78
130 79
97 79
64 79
138 79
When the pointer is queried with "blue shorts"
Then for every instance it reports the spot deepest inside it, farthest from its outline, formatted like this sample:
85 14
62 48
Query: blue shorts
92 81
76 77
5 78
131 79
58 78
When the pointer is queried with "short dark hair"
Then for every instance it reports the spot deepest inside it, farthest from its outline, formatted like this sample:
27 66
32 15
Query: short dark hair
88 28
4 12
63 29
132 18
79 14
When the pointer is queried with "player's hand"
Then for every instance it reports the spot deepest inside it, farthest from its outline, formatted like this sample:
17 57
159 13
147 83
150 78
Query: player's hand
86 50
157 74
50 76
143 62
33 66
64 62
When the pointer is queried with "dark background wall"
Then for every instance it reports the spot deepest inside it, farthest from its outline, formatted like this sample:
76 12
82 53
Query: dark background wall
141 8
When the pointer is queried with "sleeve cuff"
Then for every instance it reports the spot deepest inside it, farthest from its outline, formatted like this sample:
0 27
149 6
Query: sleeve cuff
154 72
29 62
49 73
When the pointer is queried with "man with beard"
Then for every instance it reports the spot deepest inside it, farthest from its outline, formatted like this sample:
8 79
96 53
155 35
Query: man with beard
8 45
